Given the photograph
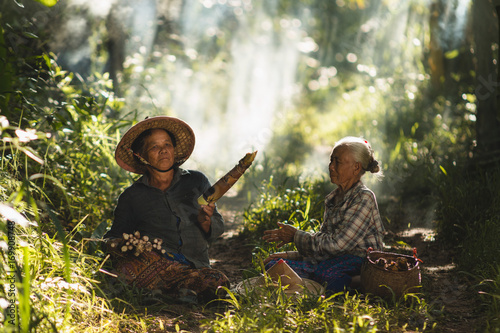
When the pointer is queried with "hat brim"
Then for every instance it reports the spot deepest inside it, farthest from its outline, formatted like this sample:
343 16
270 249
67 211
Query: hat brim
259 284
184 141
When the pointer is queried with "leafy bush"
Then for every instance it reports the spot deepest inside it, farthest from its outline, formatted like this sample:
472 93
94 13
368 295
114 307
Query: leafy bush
49 283
468 216
469 223
58 184
300 205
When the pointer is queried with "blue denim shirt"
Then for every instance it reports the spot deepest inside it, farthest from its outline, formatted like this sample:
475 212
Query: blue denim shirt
171 215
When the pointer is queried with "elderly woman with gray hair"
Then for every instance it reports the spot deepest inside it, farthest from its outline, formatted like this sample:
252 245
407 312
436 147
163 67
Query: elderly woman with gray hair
351 222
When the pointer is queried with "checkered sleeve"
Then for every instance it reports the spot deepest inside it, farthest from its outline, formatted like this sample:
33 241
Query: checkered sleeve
344 229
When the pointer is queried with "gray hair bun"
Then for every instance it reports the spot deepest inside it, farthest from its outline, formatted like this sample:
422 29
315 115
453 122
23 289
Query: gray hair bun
373 166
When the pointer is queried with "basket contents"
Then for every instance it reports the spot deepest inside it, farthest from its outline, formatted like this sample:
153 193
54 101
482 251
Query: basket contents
388 274
400 264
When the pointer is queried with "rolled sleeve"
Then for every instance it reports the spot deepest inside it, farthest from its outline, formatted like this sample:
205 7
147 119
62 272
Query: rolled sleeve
216 226
349 228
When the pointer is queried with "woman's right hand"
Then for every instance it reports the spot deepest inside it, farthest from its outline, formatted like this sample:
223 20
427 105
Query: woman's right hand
277 255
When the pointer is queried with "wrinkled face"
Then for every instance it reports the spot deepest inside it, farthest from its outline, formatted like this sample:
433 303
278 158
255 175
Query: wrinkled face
342 166
159 150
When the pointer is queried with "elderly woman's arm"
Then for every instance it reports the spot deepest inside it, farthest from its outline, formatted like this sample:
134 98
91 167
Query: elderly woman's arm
358 222
284 234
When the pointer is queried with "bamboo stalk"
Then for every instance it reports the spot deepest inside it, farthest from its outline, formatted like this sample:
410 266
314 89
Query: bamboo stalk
216 191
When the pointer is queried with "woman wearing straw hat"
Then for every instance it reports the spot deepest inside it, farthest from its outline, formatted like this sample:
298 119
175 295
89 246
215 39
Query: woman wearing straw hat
351 222
162 206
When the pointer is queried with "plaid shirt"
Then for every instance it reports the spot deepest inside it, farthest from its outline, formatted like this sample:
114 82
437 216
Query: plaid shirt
350 226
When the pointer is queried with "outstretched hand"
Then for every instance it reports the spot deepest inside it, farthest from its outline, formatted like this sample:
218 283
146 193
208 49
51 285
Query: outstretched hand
284 234
204 216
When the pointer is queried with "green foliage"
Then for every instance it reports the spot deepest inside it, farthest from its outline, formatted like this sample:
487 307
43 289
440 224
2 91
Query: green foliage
49 284
48 3
58 184
469 223
65 127
81 155
75 149
296 203
469 215
58 286
265 310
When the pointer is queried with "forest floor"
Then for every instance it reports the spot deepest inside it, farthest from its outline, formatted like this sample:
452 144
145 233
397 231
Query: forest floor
453 301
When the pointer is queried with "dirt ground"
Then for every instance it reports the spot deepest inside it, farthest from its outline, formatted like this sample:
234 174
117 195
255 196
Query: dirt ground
454 302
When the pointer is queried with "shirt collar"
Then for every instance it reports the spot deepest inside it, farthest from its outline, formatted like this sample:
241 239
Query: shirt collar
354 189
178 173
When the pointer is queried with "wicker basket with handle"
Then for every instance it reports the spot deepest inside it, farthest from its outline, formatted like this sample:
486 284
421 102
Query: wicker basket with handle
380 281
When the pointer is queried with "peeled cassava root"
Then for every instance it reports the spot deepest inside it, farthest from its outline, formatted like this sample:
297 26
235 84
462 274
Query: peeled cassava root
137 244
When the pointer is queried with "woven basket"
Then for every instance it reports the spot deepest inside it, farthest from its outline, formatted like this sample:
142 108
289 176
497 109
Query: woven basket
381 282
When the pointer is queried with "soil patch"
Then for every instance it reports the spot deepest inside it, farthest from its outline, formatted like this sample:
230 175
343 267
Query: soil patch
454 301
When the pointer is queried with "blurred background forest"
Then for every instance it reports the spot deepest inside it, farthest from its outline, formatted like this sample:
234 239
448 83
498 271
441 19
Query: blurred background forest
418 79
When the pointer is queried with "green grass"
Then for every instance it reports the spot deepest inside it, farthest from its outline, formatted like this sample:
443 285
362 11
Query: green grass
265 310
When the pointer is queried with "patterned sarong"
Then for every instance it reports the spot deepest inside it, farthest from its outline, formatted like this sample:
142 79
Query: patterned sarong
151 270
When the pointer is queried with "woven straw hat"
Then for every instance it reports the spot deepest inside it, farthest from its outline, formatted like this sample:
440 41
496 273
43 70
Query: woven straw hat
184 138
281 275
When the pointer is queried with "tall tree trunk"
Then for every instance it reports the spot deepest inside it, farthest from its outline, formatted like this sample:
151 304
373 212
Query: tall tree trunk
486 33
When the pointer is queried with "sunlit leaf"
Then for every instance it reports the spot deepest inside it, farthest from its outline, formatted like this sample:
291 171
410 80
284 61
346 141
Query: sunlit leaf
452 54
32 154
414 128
26 136
443 170
360 4
4 122
18 3
48 3
30 35
11 214
395 152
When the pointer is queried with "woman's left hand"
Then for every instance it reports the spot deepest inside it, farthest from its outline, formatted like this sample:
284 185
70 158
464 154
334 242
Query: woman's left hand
204 216
284 234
